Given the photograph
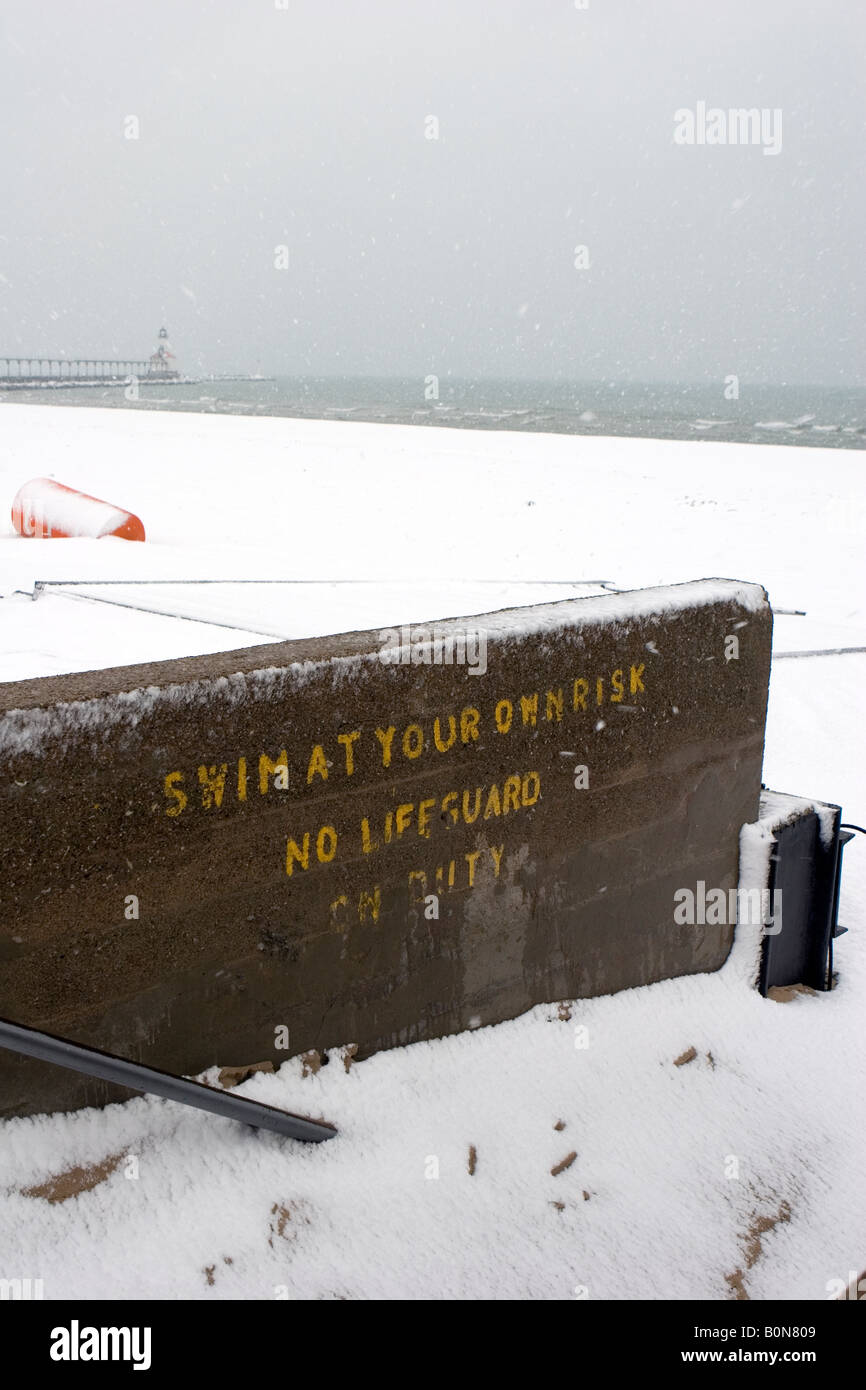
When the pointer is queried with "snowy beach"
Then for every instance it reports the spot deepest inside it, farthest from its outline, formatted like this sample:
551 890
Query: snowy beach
734 1173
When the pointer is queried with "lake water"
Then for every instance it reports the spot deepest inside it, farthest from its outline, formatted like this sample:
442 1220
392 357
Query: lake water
802 415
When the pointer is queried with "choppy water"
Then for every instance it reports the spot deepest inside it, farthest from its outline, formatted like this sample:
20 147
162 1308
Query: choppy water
803 415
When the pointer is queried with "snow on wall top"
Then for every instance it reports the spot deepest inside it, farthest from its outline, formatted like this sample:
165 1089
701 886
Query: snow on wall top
779 809
37 710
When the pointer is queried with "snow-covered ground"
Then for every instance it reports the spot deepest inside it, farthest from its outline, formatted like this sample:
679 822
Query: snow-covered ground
747 1158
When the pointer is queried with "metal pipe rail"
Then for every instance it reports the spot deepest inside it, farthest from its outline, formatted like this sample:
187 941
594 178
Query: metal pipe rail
138 1077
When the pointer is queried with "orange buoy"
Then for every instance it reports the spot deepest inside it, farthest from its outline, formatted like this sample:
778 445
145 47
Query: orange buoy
44 508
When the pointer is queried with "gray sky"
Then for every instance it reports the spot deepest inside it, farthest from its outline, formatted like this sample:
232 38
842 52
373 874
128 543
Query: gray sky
304 127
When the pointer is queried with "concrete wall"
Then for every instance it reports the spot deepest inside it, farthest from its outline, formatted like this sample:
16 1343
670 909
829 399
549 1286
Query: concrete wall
286 822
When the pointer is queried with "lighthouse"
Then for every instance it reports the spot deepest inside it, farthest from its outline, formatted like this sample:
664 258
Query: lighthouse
162 362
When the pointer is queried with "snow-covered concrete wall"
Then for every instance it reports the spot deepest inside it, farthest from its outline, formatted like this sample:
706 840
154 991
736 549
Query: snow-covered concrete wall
374 838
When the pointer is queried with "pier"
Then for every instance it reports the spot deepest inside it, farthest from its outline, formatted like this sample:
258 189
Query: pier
44 370
22 372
